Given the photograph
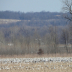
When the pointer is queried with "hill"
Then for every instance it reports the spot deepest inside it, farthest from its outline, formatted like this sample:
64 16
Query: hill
33 18
30 15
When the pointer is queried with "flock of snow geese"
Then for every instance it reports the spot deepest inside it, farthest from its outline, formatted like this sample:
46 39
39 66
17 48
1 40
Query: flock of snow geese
21 63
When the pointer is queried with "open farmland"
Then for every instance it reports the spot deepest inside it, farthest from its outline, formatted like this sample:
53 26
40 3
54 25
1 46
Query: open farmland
50 64
7 21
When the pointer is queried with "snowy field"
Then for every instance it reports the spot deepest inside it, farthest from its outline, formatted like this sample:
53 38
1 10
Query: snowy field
50 64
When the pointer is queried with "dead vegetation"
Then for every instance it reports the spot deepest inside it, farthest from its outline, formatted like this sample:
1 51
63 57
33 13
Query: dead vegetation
35 55
37 67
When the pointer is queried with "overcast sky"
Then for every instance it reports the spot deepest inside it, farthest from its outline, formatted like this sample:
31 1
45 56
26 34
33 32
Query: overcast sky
31 5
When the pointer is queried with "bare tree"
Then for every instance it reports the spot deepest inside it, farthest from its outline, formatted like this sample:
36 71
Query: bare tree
65 38
67 8
53 38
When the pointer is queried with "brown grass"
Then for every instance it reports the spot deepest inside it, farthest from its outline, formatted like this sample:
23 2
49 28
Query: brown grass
35 55
38 67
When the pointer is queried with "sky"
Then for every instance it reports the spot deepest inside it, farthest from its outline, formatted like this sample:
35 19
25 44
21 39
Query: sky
31 5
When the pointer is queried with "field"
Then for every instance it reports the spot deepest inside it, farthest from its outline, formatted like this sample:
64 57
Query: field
7 21
38 67
36 64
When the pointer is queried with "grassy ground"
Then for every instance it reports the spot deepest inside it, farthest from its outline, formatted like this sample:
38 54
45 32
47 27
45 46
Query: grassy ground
37 67
35 55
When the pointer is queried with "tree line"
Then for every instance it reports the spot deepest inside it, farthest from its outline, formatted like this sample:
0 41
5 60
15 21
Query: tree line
30 15
29 40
